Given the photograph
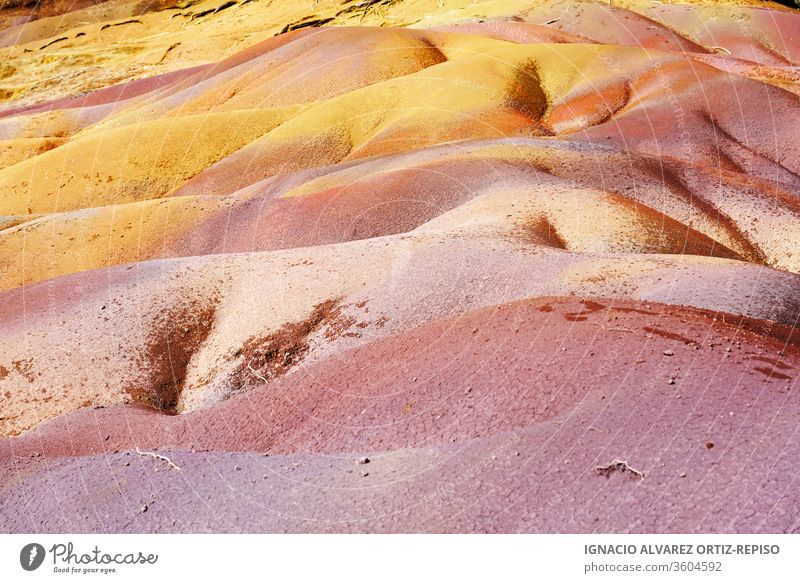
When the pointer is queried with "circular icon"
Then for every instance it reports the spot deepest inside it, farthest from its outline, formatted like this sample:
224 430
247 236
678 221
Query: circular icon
31 556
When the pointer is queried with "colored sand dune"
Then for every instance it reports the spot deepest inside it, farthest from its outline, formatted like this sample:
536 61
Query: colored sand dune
399 266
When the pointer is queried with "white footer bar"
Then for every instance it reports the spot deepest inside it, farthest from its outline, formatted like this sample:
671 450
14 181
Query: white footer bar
353 558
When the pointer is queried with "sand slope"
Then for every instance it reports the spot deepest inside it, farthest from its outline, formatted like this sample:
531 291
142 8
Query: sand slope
491 246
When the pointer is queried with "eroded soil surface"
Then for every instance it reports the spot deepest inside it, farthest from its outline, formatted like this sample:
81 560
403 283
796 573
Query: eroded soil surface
507 266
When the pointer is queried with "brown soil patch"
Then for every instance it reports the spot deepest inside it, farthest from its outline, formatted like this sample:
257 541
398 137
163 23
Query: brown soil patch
772 361
587 307
525 95
668 334
176 337
25 368
49 144
772 373
541 231
271 356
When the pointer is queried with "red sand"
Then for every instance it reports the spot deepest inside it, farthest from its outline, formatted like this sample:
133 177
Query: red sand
529 397
493 255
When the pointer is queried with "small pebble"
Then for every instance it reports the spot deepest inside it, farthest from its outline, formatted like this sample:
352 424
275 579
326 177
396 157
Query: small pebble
669 353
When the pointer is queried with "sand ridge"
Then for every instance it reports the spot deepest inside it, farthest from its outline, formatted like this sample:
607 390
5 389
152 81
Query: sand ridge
490 246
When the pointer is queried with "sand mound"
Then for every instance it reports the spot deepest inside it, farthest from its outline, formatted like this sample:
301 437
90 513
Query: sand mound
540 390
491 246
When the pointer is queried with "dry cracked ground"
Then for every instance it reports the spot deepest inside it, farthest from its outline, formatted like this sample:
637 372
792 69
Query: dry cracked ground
399 266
